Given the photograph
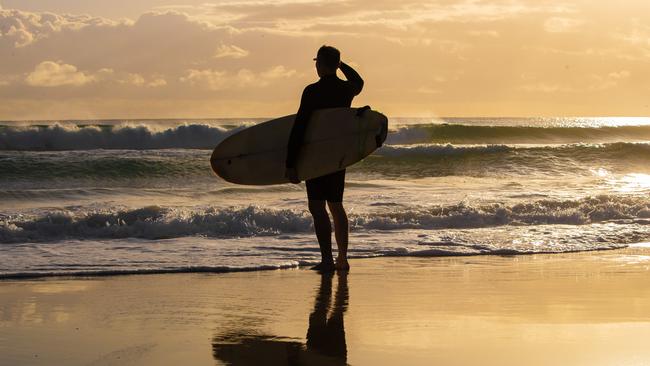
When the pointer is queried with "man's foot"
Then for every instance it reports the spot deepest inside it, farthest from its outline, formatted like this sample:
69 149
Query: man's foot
342 265
323 267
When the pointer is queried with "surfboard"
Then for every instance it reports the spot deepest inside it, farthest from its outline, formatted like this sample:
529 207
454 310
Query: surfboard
334 139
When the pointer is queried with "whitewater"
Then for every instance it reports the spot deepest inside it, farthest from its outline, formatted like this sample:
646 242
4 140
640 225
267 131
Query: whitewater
113 197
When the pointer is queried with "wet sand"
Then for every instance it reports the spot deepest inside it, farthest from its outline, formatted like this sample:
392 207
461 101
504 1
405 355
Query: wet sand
569 309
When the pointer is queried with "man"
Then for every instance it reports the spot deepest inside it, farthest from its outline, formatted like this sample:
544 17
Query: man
328 92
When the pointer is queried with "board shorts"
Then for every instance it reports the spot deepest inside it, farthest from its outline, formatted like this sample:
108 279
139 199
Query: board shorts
327 187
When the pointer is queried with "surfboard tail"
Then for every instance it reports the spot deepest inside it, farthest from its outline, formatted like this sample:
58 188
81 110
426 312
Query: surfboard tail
380 138
383 132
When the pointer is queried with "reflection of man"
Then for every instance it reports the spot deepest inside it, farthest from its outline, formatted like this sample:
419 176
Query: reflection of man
328 92
327 335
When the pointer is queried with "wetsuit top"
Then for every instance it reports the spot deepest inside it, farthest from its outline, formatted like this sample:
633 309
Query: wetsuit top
328 92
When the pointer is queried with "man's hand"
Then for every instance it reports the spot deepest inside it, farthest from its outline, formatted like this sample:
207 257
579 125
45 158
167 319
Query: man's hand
292 174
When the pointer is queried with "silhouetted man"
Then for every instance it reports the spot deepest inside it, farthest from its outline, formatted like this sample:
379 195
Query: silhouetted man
328 92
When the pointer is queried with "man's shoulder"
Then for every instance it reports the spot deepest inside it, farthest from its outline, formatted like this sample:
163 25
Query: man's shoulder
311 87
309 90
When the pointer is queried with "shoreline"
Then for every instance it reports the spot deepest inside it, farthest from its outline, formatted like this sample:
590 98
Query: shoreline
300 265
588 308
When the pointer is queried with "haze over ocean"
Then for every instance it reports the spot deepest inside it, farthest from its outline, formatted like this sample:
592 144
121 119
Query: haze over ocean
139 196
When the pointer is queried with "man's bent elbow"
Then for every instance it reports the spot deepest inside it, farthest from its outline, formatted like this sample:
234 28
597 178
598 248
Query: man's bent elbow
358 88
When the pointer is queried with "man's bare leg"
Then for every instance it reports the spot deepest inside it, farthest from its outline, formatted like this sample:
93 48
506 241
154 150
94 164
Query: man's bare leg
340 232
323 229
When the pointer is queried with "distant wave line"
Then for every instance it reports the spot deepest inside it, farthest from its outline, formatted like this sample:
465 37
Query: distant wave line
202 136
466 134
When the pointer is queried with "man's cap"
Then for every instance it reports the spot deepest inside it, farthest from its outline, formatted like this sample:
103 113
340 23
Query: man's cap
328 56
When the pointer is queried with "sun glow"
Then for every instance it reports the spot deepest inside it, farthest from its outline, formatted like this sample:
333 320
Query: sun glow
633 183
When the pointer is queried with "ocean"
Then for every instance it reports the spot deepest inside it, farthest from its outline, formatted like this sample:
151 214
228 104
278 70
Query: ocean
111 197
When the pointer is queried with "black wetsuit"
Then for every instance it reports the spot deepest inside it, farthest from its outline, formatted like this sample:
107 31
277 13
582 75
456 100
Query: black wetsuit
328 92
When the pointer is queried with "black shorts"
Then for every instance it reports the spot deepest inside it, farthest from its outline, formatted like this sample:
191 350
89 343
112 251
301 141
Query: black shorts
327 187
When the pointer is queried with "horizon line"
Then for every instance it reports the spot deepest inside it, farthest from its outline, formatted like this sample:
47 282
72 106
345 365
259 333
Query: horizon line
271 118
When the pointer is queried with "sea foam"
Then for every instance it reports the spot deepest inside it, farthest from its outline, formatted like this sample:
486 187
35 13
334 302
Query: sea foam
155 222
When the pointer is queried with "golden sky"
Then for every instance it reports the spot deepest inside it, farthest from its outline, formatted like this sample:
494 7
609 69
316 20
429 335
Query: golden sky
79 59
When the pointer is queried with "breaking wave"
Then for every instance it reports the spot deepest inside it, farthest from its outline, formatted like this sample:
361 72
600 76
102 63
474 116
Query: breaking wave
64 137
157 222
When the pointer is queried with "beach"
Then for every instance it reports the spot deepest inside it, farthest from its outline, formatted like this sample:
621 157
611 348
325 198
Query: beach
588 308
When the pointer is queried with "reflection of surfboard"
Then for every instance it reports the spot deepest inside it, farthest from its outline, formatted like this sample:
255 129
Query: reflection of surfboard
335 138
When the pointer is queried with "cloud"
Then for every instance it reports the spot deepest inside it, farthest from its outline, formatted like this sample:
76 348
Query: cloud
21 37
221 80
638 35
300 18
562 25
133 79
157 82
230 51
277 72
209 79
51 74
56 74
140 81
23 28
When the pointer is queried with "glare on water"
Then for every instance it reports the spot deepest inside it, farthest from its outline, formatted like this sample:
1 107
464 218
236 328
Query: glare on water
634 182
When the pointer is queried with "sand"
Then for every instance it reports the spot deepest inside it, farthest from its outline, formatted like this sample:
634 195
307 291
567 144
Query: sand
568 309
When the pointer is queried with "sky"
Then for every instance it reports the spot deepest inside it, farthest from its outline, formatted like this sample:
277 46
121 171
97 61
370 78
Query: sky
91 59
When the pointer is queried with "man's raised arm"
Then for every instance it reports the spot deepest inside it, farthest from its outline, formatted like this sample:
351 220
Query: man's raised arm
352 76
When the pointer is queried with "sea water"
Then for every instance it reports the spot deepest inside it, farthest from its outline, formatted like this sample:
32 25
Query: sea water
107 197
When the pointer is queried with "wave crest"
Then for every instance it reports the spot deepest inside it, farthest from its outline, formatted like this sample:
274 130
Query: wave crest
156 222
65 137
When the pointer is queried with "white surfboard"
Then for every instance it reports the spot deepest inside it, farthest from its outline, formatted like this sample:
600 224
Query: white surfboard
335 139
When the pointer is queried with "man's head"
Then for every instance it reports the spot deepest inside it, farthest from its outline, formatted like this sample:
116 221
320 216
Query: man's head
327 60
